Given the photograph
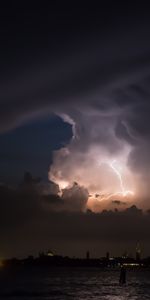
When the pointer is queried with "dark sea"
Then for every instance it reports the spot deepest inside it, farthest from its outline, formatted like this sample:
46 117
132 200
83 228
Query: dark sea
72 283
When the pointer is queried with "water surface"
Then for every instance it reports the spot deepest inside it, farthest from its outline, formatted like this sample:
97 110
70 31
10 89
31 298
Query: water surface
72 283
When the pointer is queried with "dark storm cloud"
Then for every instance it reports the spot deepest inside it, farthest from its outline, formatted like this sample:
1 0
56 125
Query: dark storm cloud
25 215
118 202
83 69
75 197
33 197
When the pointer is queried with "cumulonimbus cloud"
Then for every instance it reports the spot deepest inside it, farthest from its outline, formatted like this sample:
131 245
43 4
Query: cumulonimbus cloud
101 85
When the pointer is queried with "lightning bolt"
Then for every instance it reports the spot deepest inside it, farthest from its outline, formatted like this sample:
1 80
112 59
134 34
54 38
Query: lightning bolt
123 191
112 165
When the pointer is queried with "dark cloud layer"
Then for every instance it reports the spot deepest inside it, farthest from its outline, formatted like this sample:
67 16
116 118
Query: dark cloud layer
25 213
88 65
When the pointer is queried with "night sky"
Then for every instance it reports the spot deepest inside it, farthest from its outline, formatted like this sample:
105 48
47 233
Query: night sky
74 129
29 147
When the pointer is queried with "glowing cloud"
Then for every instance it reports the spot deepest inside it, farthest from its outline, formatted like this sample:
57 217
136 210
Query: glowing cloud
96 158
104 177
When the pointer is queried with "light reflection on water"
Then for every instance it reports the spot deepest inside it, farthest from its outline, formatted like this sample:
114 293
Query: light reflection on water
73 284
